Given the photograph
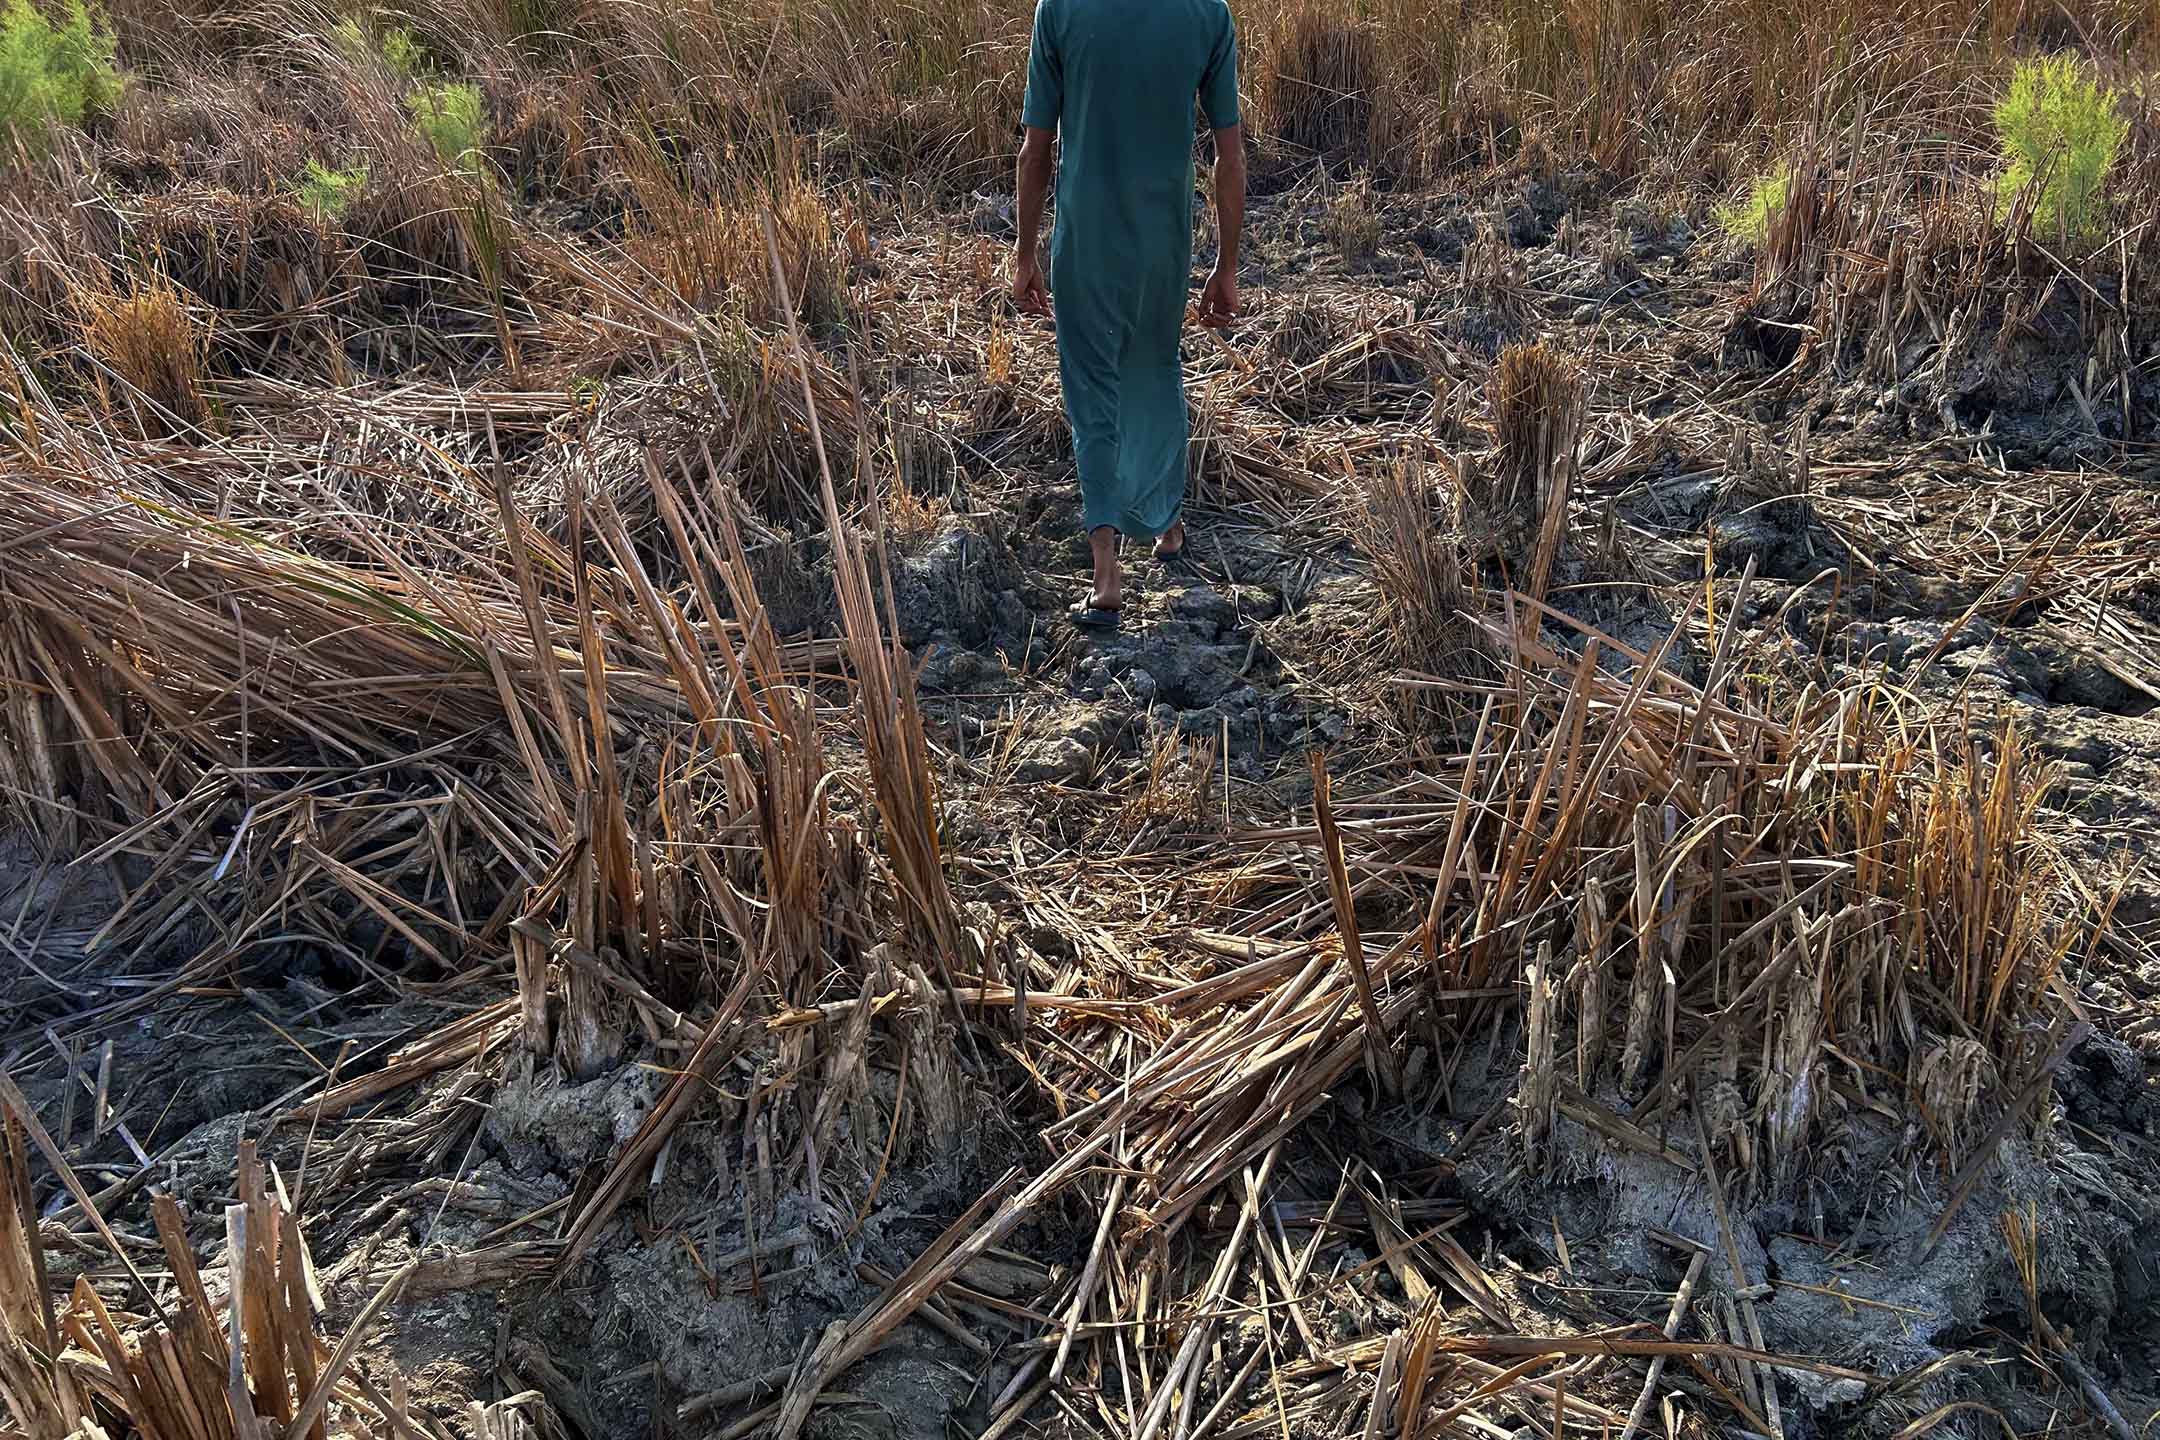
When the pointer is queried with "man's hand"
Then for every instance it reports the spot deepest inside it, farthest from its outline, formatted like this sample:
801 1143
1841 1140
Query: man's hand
1030 294
1219 300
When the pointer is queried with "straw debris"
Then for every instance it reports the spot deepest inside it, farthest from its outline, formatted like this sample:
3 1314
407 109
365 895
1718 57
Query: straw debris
535 709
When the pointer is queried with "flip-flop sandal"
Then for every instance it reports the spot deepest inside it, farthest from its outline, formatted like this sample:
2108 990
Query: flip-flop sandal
1093 617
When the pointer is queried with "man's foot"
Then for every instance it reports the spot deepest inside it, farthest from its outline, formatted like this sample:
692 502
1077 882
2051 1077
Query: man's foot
1108 578
1172 543
1093 617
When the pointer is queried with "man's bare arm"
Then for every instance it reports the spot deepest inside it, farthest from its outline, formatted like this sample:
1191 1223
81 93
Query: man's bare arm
1229 193
1032 181
1219 301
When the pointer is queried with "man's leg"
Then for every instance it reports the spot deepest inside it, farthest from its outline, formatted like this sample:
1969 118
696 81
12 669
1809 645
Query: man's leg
1090 343
1153 449
1109 579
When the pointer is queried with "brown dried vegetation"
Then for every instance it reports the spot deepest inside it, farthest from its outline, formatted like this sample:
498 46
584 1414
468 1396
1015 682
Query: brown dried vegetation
499 588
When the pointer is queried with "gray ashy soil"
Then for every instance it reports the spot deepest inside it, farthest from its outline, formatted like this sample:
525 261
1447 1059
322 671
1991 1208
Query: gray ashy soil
1847 1255
722 1272
711 1284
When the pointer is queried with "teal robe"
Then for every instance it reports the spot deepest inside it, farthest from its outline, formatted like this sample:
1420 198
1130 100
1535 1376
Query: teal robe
1116 79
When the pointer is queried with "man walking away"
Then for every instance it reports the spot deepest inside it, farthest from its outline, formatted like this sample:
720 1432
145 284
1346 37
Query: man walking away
1115 80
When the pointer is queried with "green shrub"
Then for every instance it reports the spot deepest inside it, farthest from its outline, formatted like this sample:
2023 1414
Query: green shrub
52 74
454 120
1750 219
329 192
395 46
402 52
2060 129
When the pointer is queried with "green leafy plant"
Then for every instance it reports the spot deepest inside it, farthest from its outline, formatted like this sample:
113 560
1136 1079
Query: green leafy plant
2060 129
329 192
394 45
453 118
1749 219
402 52
53 74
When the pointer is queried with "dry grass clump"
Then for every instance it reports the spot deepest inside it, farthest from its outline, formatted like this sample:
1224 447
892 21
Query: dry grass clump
1492 305
728 404
912 517
1948 834
142 595
927 88
552 143
46 241
1953 1080
639 859
1698 945
1417 561
996 402
1700 958
149 350
207 128
1516 504
1882 264
434 227
251 258
250 1363
1797 218
1353 225
1174 789
709 252
1324 92
887 709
